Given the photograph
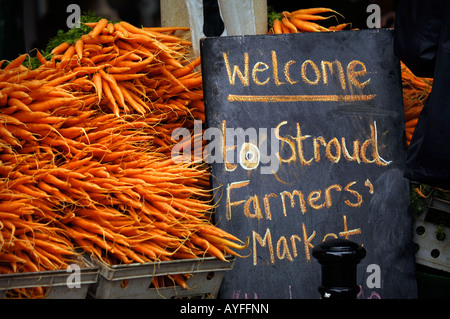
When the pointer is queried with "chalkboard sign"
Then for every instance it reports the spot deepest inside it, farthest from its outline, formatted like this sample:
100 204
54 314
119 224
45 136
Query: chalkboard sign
305 138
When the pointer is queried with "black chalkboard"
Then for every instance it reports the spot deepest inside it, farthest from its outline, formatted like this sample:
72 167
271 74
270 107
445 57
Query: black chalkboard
306 142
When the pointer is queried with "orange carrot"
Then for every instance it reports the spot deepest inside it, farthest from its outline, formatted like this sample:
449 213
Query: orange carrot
99 39
49 104
187 69
287 23
110 98
113 86
97 80
40 57
133 102
67 57
60 48
99 26
307 25
339 27
306 16
313 11
165 29
277 27
79 48
16 62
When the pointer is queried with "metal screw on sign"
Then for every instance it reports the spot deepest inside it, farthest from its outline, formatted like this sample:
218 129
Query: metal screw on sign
338 259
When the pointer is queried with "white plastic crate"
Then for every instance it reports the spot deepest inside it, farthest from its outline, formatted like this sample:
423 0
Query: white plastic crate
134 280
432 250
58 281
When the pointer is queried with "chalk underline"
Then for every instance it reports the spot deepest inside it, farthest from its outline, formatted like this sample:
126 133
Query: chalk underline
299 98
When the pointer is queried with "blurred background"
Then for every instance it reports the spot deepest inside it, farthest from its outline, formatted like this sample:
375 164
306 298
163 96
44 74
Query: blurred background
29 24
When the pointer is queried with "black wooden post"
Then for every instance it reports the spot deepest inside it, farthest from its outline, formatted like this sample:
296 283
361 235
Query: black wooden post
339 258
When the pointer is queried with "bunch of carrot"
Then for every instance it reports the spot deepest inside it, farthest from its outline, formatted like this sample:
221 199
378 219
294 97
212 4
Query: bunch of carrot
85 154
415 92
305 20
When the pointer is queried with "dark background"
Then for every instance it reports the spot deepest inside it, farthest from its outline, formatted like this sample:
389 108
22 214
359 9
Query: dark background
29 24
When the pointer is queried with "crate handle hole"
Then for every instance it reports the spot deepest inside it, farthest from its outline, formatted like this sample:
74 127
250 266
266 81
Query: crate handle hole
210 275
440 236
420 230
124 283
435 253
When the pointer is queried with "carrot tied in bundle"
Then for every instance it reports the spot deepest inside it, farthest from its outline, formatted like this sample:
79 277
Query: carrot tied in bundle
304 20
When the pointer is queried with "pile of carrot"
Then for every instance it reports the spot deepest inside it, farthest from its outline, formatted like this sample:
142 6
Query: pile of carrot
85 154
305 20
415 92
